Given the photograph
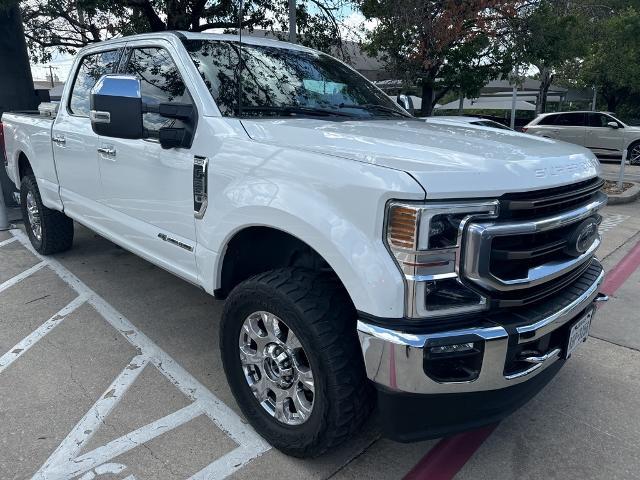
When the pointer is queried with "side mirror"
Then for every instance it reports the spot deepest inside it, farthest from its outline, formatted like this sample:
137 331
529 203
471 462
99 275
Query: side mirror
613 125
406 102
116 107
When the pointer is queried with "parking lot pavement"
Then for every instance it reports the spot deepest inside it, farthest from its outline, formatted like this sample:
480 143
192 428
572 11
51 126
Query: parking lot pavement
109 368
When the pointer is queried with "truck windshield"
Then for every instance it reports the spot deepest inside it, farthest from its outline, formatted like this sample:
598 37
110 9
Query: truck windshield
280 82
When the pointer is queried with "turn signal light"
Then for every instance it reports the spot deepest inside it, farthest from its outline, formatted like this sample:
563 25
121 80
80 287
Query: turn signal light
402 227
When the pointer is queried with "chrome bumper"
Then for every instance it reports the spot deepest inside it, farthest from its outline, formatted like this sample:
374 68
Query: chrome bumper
395 359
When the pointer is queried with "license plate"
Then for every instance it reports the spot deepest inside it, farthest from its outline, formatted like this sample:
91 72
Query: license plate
579 333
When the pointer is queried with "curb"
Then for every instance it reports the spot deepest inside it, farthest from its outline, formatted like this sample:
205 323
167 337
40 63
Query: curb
628 196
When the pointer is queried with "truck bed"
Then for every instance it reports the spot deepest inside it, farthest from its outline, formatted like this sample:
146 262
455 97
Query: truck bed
28 134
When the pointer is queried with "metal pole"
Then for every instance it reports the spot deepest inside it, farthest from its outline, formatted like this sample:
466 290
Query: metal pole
514 97
593 102
292 21
622 165
4 220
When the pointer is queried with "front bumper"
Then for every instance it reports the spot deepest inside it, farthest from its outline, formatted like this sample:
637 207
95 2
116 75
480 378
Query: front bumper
396 362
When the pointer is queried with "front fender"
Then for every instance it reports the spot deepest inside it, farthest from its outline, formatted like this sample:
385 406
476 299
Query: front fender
335 206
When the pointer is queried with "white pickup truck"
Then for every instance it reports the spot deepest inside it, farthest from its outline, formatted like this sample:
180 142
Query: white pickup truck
452 268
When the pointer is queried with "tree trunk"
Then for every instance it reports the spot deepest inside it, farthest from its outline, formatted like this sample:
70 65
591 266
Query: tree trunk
16 83
426 110
545 82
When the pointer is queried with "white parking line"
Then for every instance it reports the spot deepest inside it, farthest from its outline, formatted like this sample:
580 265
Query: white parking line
21 276
132 440
7 241
57 465
26 343
63 463
611 221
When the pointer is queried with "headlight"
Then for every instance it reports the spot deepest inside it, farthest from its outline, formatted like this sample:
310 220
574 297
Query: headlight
425 241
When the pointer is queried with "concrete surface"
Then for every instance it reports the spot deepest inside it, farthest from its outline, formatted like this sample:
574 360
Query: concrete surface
79 392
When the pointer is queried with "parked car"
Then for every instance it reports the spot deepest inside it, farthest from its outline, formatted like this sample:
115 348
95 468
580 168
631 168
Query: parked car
453 269
601 132
465 120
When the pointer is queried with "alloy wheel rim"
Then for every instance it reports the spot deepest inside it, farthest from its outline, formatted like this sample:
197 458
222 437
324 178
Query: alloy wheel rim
276 368
33 214
634 157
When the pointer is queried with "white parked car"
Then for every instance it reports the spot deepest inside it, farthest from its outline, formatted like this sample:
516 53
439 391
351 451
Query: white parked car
463 120
601 132
451 268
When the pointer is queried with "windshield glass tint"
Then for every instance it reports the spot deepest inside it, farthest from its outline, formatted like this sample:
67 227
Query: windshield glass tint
279 82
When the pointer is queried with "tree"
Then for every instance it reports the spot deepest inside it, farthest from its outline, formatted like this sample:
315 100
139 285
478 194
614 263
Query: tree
549 34
67 25
16 84
613 61
440 44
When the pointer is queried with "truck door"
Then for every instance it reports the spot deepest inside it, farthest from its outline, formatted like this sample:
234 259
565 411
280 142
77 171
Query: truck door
75 143
149 190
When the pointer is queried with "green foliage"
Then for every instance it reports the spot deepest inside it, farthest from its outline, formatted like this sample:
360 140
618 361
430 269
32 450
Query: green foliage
443 44
67 25
613 62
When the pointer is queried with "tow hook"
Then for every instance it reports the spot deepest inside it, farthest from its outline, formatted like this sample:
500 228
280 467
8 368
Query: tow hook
601 298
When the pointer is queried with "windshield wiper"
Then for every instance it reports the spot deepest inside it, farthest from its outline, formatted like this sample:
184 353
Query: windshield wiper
375 107
293 110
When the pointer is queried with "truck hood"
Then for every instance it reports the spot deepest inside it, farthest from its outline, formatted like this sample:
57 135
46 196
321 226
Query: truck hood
449 161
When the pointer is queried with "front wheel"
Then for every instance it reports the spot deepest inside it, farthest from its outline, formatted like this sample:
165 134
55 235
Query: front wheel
633 154
292 358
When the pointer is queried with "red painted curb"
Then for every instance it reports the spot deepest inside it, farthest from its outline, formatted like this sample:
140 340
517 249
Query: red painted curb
448 457
622 271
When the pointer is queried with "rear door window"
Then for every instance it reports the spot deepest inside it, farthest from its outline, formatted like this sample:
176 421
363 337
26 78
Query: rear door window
548 120
92 67
570 120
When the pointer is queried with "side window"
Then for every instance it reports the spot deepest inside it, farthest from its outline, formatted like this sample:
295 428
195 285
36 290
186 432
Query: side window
91 68
160 82
548 120
570 120
598 120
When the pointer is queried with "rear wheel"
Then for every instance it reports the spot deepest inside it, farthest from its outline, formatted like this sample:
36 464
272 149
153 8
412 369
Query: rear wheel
633 154
292 358
50 231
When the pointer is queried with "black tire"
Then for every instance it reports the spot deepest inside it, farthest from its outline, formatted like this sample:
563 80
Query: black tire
319 312
57 228
630 152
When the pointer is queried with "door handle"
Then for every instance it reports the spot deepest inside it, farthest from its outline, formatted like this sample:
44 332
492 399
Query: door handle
58 139
107 151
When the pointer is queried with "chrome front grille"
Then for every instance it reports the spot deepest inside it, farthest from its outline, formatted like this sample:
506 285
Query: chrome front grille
549 201
528 251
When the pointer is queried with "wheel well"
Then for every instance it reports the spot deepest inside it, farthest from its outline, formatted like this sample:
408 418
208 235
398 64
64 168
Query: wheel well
259 249
24 167
631 146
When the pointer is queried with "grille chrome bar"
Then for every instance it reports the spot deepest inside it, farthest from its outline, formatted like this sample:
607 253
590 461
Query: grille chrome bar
477 248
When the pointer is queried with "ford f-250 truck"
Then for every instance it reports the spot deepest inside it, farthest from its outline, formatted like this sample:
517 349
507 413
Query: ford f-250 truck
452 268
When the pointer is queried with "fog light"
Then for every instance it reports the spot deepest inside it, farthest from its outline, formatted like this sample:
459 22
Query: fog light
455 362
455 348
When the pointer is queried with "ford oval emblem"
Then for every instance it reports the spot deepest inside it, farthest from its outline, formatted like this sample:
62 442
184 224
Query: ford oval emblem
582 237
